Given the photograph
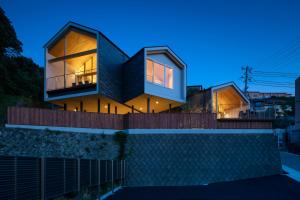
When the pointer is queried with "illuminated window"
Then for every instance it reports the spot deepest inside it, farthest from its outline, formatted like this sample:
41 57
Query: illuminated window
149 71
159 74
72 61
169 78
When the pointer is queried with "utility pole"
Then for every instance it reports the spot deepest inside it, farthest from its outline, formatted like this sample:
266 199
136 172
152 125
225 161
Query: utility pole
246 77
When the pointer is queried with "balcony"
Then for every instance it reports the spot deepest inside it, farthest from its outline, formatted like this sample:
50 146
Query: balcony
71 82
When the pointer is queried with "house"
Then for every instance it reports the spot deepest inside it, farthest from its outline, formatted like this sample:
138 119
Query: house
227 100
87 72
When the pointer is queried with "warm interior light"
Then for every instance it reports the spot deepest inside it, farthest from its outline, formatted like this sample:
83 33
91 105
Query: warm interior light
141 108
156 102
105 106
75 110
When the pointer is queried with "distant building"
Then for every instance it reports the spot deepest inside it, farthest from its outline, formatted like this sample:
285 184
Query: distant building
297 113
226 100
270 104
263 95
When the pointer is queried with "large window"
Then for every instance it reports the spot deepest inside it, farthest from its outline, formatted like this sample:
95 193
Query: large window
159 74
72 61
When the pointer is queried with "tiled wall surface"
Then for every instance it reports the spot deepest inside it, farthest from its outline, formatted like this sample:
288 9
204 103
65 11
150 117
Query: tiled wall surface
193 159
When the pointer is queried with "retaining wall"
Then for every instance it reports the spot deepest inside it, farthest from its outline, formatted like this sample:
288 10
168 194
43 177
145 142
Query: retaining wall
195 159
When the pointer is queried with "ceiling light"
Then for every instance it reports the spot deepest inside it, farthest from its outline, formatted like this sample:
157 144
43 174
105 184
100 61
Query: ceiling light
156 102
105 106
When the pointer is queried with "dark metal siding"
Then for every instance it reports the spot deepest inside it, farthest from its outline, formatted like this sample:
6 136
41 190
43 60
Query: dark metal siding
7 177
133 76
28 178
54 177
110 61
85 173
71 174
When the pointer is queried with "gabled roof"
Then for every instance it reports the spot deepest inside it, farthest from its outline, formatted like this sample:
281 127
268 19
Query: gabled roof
71 24
166 50
217 87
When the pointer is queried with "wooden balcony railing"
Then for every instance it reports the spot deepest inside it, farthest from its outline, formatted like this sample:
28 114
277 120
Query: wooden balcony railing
59 118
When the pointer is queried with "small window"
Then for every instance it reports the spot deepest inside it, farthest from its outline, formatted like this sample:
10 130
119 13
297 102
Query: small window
149 71
169 78
159 73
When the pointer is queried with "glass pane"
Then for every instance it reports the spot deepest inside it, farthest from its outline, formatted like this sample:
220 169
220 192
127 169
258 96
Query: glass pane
149 70
55 75
158 73
57 50
81 70
169 77
79 42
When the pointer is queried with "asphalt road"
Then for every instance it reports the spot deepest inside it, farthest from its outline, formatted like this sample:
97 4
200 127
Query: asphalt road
266 188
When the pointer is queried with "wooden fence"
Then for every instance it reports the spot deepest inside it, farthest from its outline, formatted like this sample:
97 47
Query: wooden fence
47 117
244 124
170 120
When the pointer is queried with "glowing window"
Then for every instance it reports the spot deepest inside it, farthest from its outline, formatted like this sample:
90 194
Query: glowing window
159 73
169 78
149 71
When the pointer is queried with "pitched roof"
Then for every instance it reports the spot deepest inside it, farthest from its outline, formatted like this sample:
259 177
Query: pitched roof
71 24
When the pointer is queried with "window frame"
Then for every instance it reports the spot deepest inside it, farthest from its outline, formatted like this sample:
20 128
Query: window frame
152 78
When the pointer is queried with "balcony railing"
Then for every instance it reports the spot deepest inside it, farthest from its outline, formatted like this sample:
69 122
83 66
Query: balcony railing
73 80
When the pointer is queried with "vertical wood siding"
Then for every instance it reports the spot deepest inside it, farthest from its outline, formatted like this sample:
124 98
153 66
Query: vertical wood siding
47 117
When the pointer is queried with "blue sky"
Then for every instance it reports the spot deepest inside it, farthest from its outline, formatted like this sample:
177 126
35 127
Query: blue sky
215 38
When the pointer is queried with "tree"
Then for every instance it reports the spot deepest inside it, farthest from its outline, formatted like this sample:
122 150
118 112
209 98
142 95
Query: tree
9 43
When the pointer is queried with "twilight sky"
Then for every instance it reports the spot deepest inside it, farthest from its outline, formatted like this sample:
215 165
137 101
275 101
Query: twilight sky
215 38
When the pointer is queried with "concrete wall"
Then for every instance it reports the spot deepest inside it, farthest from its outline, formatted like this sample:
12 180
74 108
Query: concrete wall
193 159
158 158
297 93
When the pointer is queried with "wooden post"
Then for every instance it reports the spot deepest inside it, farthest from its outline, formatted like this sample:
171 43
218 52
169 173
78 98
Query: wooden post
65 106
116 110
81 106
108 108
170 107
217 106
99 105
132 109
148 104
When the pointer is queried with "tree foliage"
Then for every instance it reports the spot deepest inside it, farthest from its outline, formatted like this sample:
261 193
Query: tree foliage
9 43
21 80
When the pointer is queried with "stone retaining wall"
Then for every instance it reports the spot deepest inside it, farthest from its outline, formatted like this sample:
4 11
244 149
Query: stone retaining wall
157 159
195 159
45 143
